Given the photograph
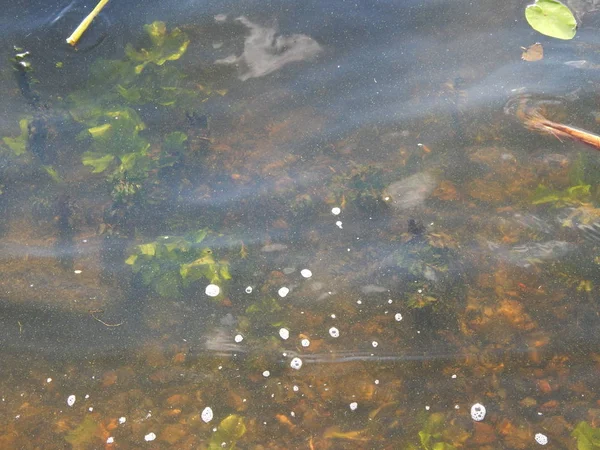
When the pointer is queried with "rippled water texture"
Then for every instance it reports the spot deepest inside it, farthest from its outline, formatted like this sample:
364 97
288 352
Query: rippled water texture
286 225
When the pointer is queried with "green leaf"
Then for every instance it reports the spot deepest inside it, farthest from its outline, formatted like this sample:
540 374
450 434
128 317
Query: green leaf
165 46
99 163
19 144
148 249
83 436
551 18
53 173
131 260
229 431
588 438
174 142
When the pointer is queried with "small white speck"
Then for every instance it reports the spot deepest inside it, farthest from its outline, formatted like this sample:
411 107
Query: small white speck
212 290
306 273
398 317
48 380
207 414
359 302
71 400
295 388
149 437
333 316
353 406
87 396
478 412
456 407
338 223
374 344
454 376
427 407
334 332
110 440
336 211
122 420
249 290
305 342
390 301
266 373
90 409
77 272
541 439
296 363
238 338
283 292
284 333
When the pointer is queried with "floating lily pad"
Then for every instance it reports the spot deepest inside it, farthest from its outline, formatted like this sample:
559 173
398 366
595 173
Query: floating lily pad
552 18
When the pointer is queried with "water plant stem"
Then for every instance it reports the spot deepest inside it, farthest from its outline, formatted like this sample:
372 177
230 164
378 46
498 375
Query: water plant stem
76 35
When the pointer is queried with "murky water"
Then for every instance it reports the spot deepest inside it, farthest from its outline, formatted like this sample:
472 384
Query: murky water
296 225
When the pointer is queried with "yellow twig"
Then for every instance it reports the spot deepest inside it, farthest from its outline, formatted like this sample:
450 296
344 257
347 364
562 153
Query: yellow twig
74 38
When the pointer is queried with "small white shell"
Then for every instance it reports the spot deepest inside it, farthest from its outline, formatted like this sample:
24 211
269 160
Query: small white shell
207 414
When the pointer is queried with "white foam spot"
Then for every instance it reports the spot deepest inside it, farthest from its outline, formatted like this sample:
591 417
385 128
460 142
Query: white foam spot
478 412
110 440
284 333
212 290
71 400
305 342
283 292
149 437
541 439
336 211
353 406
122 420
238 338
334 332
48 380
249 290
77 272
266 373
339 224
374 344
207 414
398 317
306 273
295 388
296 363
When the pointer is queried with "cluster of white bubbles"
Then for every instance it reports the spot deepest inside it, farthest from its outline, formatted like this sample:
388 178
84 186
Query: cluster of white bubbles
283 292
71 400
541 439
150 437
296 363
478 412
334 332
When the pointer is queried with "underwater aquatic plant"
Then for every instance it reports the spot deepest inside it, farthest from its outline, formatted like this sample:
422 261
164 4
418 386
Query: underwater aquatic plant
171 264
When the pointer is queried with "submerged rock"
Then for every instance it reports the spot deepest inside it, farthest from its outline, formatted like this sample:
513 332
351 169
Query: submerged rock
411 191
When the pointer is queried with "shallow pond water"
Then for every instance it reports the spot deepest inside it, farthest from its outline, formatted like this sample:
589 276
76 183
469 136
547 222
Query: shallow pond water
287 225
